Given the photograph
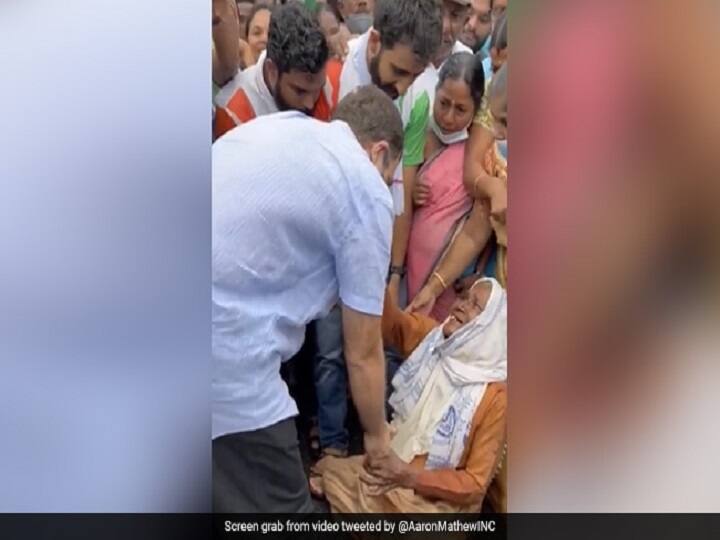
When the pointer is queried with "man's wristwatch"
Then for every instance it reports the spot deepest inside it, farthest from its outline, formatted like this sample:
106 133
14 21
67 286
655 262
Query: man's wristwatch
399 270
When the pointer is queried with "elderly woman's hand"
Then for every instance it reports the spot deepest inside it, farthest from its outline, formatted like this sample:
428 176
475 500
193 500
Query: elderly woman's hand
387 471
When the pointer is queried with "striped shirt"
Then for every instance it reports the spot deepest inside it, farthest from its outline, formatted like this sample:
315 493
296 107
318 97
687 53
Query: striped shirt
301 218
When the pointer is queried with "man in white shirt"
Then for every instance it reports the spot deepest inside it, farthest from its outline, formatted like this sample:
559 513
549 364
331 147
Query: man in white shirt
302 217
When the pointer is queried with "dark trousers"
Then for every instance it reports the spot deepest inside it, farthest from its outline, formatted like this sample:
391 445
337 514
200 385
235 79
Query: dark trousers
331 382
260 471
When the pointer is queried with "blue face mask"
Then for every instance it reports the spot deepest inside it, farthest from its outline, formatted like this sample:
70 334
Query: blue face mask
484 48
502 148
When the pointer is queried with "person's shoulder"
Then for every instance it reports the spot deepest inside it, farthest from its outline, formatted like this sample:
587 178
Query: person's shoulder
461 47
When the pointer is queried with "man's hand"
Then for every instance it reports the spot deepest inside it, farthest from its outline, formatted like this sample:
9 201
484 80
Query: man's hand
421 193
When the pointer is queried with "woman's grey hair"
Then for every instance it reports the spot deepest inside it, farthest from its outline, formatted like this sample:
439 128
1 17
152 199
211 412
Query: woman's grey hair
466 67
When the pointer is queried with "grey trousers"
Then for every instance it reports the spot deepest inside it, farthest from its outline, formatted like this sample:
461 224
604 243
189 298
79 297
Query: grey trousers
260 471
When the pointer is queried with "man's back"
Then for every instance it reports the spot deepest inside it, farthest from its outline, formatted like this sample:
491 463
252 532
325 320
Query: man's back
298 213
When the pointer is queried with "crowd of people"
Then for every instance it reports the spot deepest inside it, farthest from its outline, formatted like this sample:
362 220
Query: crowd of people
359 191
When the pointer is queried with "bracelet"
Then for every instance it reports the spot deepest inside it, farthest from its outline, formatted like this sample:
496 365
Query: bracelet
440 279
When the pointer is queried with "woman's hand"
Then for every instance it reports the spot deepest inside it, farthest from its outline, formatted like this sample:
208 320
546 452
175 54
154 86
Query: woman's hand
423 302
388 472
247 58
421 193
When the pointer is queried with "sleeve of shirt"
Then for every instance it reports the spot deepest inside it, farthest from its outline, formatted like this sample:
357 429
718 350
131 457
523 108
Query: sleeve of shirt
414 143
363 258
404 331
469 485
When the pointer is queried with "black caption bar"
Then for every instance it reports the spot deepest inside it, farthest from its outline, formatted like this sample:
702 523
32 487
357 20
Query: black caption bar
358 526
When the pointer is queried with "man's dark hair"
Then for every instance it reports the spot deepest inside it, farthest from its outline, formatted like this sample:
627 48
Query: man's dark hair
416 23
295 40
466 67
372 117
499 37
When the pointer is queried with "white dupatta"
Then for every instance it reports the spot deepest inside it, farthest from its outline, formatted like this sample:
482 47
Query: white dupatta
438 389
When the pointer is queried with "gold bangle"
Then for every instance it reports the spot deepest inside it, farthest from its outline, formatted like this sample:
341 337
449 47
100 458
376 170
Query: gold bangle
440 279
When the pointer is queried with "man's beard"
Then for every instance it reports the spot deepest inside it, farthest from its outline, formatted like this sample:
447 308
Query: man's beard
374 69
281 104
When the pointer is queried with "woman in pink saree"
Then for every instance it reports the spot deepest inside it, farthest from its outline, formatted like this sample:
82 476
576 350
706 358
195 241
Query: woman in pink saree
441 200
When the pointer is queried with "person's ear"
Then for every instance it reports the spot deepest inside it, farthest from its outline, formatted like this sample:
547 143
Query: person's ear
380 154
374 43
271 73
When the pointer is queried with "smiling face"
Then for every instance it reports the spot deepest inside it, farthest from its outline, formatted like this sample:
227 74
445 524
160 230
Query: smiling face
467 307
454 17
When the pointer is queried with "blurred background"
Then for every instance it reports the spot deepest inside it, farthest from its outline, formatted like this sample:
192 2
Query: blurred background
105 249
614 276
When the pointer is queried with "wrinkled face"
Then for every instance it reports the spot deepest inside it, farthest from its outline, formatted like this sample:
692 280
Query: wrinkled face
328 23
392 70
498 109
479 25
454 17
258 32
467 307
454 107
294 90
244 9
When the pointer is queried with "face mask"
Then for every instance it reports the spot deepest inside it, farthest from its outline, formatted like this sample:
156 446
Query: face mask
447 138
359 23
484 48
502 148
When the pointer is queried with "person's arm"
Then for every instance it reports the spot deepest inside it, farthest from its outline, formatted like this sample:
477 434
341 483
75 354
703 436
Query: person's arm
401 229
362 256
413 155
366 372
401 330
468 244
226 36
479 182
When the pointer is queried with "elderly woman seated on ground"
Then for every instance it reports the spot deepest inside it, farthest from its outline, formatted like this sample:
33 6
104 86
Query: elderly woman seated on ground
449 402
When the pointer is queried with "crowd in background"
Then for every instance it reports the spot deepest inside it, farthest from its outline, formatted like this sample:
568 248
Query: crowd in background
283 74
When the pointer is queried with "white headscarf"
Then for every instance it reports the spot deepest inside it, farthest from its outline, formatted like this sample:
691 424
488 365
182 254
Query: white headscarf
438 389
